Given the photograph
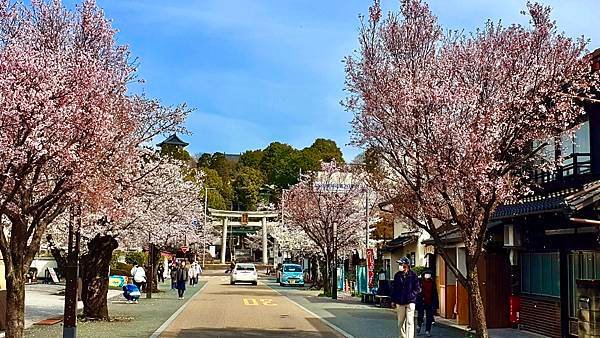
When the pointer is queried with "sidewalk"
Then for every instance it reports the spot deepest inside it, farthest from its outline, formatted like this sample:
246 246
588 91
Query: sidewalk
366 320
44 301
127 320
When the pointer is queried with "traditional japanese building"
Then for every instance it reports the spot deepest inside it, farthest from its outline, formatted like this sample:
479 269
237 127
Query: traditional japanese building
553 237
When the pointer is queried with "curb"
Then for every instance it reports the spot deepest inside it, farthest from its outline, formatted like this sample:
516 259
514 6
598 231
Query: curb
174 316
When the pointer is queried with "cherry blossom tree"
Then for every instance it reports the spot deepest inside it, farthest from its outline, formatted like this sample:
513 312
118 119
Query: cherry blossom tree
156 207
452 117
336 194
63 109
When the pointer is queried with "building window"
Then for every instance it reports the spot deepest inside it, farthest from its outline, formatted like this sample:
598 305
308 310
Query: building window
582 265
540 274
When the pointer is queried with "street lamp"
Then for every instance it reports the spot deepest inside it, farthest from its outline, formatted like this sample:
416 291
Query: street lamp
206 189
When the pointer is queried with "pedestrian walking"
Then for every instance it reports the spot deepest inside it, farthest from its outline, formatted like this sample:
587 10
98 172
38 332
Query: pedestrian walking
161 273
405 291
192 274
139 277
428 302
182 278
198 272
173 274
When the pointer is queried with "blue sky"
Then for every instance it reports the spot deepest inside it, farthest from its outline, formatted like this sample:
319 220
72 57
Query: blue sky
259 71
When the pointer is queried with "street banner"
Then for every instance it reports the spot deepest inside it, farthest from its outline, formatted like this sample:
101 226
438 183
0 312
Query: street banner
370 266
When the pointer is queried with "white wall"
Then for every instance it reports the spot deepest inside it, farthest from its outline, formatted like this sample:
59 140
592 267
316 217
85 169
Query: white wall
42 263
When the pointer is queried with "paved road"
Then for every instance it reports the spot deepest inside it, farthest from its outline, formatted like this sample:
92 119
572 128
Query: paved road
357 319
223 310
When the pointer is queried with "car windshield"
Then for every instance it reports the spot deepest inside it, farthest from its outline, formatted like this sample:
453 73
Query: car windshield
292 268
245 267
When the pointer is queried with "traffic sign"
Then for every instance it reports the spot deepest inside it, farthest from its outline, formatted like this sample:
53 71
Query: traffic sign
184 249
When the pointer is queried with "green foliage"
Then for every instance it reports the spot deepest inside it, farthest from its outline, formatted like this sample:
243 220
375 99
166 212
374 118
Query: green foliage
114 260
243 184
247 185
278 164
220 196
136 257
419 270
251 158
176 152
121 269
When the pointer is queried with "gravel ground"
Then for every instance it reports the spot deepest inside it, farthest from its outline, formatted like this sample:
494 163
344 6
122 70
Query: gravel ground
130 320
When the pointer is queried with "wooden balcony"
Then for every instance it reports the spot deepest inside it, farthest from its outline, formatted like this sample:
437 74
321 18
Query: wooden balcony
576 169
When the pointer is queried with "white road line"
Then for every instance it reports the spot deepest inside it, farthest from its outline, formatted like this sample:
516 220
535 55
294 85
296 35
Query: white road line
333 326
176 314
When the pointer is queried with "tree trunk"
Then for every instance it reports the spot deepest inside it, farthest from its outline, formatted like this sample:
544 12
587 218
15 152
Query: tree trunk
157 260
325 266
477 307
15 305
95 266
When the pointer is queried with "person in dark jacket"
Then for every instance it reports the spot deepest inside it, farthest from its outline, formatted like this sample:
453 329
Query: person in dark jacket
161 273
428 302
405 291
182 278
173 276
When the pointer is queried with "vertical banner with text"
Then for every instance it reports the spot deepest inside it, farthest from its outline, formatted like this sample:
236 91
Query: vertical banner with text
370 266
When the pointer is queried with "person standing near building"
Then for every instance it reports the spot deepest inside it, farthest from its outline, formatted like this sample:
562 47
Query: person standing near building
182 278
405 290
428 302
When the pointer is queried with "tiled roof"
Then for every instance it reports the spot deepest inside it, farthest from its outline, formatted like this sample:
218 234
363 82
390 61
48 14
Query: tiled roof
174 140
565 200
399 242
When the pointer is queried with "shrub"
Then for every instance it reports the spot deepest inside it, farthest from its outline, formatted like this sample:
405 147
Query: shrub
136 257
419 270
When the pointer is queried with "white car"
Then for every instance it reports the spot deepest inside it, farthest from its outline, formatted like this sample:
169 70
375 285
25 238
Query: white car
244 272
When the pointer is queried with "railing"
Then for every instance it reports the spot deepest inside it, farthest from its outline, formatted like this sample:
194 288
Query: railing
574 165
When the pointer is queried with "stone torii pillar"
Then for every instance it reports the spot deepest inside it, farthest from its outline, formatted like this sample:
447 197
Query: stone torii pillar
264 241
224 240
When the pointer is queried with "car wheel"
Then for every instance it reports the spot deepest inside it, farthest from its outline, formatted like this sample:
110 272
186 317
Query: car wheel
232 283
281 284
254 283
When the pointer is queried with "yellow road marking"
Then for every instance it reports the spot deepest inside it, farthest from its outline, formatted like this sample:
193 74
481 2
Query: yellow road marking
250 301
263 301
267 302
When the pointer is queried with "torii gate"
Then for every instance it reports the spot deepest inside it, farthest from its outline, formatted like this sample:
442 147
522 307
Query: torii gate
238 219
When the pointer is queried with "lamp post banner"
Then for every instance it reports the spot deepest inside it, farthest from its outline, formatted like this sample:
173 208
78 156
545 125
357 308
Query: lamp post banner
370 266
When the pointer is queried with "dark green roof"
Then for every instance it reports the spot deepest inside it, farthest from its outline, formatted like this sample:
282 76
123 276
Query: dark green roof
173 140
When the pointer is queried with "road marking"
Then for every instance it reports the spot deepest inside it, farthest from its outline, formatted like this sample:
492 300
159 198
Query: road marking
333 326
166 324
263 301
267 302
250 301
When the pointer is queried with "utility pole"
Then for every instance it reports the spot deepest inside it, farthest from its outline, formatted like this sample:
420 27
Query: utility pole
204 227
367 222
150 280
334 265
70 311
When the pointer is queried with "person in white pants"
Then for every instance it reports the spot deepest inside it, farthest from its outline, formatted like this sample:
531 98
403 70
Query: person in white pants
405 290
